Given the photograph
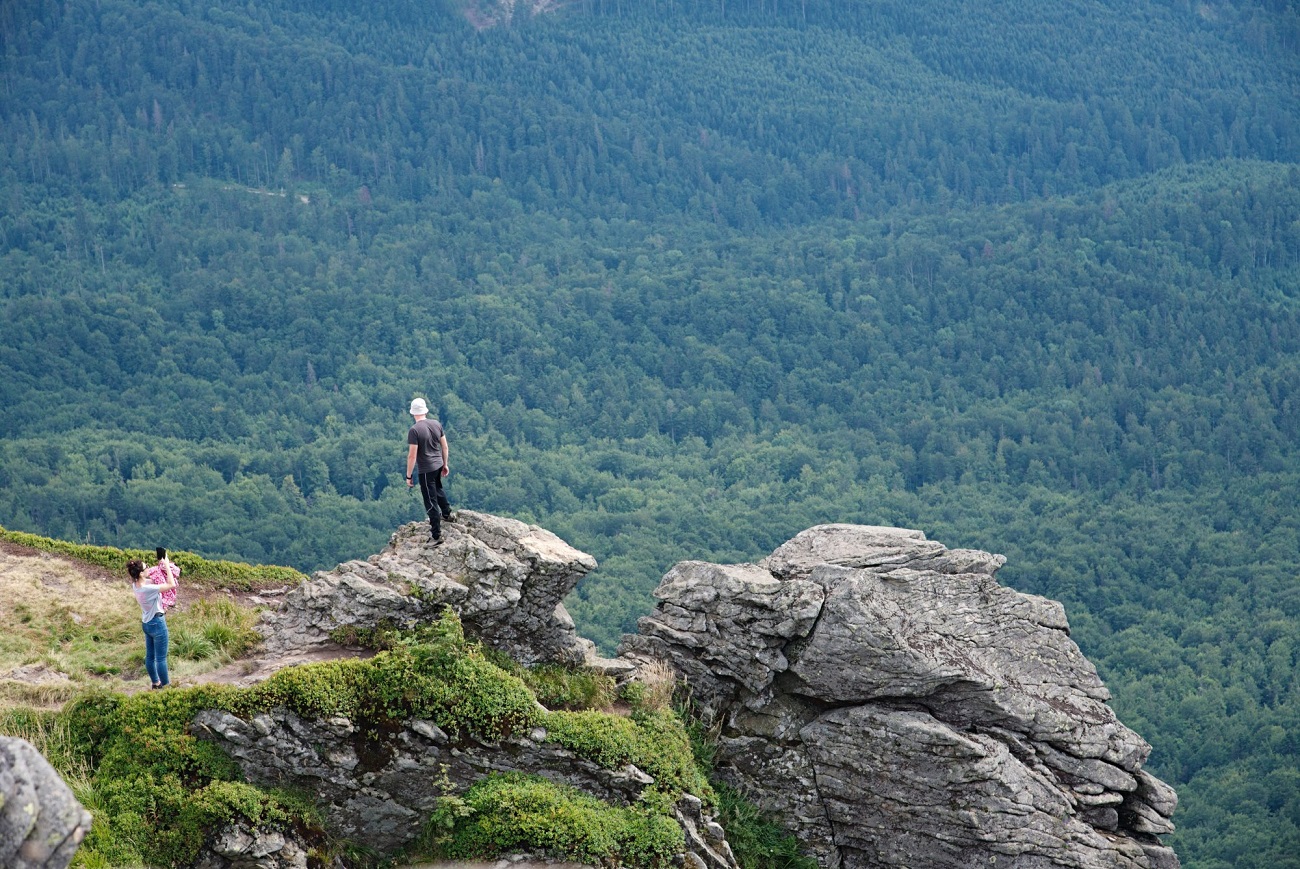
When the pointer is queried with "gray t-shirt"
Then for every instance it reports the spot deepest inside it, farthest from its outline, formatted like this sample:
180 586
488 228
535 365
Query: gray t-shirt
426 434
150 599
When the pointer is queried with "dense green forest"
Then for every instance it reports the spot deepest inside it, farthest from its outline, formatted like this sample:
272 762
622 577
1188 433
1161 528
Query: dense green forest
682 278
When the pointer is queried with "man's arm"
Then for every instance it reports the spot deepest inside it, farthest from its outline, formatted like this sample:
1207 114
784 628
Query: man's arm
446 457
410 463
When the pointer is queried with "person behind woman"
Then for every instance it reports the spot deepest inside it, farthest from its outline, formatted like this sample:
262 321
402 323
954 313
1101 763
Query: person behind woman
427 452
152 619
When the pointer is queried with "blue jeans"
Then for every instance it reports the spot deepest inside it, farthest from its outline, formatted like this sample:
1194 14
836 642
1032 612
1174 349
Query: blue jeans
155 649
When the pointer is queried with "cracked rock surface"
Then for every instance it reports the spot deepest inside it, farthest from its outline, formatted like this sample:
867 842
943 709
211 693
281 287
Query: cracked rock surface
505 578
378 787
41 822
895 706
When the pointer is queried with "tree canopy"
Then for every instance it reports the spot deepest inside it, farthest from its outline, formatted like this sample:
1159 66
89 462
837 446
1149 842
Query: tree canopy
682 278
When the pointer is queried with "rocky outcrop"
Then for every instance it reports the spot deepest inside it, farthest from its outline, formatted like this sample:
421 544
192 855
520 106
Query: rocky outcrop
41 822
377 788
895 705
880 694
239 845
506 579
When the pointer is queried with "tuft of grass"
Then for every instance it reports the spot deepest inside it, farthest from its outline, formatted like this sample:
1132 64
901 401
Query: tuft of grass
52 736
43 695
652 689
561 687
190 644
756 841
226 625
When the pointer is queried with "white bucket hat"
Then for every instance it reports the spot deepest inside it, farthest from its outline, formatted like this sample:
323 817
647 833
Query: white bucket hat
419 408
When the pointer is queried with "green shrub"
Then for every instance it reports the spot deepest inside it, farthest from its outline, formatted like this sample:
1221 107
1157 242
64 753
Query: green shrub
194 568
655 742
514 812
90 723
446 680
560 687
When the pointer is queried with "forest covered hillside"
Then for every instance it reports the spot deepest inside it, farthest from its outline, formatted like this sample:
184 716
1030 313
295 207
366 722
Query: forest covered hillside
683 278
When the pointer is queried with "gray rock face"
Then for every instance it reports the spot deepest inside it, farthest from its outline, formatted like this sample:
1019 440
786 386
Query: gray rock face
41 822
378 788
240 846
727 627
897 707
506 580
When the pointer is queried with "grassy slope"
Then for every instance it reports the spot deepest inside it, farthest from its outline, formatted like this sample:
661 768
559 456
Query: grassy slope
69 622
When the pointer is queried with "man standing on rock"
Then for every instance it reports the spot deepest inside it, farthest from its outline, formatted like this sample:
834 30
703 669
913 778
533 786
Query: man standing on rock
427 453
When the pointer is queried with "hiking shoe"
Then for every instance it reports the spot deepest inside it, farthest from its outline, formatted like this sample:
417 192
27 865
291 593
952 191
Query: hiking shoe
438 541
448 517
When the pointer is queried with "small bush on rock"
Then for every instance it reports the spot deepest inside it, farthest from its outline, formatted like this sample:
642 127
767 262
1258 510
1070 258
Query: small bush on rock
514 812
444 679
655 742
560 687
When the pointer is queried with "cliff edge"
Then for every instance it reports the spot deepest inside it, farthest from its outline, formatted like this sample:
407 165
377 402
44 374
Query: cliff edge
880 695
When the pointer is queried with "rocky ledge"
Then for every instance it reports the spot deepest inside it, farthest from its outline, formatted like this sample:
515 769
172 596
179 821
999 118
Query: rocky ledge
879 694
505 579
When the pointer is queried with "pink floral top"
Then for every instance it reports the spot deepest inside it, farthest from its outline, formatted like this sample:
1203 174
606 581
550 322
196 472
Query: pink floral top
159 574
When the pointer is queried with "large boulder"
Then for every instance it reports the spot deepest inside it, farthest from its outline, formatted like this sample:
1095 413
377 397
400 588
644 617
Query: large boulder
41 822
895 705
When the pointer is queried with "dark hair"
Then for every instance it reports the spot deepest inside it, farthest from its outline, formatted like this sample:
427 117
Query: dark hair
135 567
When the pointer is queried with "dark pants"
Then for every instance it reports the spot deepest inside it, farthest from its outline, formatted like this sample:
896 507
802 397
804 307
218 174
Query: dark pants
155 649
435 501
